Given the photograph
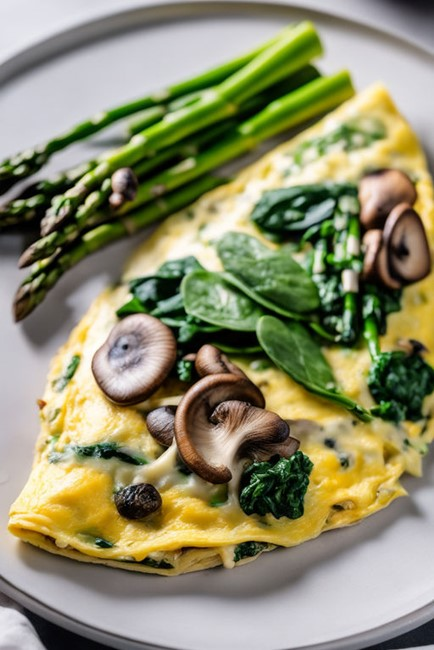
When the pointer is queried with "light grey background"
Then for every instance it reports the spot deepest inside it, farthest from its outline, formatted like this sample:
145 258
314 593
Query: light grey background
24 22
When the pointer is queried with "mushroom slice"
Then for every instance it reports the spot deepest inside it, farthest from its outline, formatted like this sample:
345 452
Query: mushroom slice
211 361
372 243
284 449
234 431
161 424
136 358
406 243
196 436
379 192
383 271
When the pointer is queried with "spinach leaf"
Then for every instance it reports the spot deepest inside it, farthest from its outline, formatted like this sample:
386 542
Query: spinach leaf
102 450
248 549
208 297
158 294
271 278
294 209
61 382
100 542
290 346
276 487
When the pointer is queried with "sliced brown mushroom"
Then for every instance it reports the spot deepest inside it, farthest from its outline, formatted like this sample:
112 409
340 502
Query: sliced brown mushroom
379 192
372 243
136 358
234 432
204 443
211 361
406 244
375 262
161 424
137 501
383 270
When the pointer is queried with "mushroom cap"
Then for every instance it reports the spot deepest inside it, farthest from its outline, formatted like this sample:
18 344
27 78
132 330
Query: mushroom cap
195 434
137 501
372 243
411 346
379 192
383 270
406 243
136 358
161 424
211 361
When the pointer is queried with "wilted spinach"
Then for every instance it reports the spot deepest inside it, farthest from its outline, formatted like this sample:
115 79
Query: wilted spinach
102 450
63 380
292 210
276 487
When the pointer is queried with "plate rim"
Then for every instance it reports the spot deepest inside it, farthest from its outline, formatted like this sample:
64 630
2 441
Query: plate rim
73 37
102 27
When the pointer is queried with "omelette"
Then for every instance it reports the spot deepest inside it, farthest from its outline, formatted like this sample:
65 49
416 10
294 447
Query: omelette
93 451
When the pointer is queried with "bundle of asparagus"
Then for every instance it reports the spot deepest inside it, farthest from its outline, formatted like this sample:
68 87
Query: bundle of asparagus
181 135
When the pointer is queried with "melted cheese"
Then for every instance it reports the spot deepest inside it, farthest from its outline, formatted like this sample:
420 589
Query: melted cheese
67 505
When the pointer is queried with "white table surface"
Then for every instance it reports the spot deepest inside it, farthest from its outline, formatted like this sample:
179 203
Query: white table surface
25 22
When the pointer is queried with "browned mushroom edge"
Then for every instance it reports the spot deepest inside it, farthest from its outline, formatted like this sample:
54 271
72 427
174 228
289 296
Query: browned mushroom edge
406 245
371 243
136 358
161 424
221 420
210 360
380 192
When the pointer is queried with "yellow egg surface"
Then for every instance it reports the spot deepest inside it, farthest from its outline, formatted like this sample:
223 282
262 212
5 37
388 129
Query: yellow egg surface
67 506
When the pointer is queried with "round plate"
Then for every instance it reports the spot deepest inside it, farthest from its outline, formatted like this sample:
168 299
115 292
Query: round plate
348 588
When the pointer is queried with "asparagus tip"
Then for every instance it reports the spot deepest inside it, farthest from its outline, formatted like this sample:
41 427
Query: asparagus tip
21 306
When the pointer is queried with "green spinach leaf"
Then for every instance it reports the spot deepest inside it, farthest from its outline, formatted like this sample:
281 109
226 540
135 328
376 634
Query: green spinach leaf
294 209
293 350
208 297
271 278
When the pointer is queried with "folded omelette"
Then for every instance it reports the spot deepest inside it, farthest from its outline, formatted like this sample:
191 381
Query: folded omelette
68 506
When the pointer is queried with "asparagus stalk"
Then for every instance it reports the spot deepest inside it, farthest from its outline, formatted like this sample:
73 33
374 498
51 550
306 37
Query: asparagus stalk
47 272
292 51
35 199
350 279
28 162
88 215
293 109
300 105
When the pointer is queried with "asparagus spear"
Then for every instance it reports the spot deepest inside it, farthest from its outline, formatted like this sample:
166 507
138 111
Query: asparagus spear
31 160
316 97
291 110
87 217
35 199
298 106
292 51
47 272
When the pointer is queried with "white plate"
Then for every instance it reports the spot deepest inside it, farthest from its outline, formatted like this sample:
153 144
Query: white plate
346 589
